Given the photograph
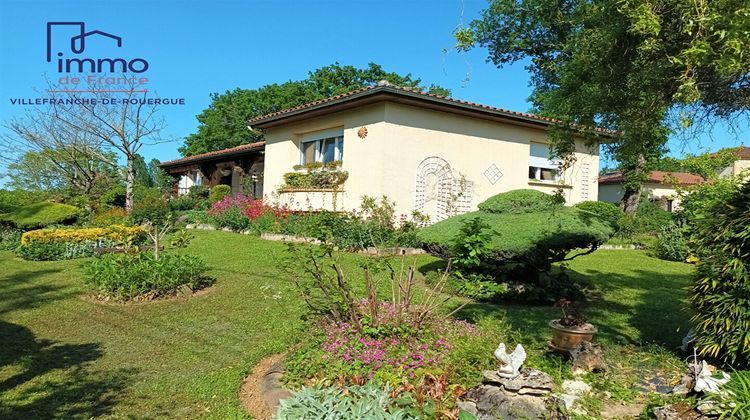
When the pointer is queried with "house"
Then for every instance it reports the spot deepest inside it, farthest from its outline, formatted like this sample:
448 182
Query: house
660 187
239 167
427 153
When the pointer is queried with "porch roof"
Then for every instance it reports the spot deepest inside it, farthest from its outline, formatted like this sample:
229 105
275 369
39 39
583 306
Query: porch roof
215 155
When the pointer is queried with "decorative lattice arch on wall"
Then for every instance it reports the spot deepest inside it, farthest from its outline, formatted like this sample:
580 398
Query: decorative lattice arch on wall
453 194
441 170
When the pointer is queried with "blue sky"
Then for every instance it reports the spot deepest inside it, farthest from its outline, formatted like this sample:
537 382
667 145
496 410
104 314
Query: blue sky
198 47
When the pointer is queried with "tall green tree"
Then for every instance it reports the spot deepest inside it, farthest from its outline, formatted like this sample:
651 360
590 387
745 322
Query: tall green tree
644 67
224 123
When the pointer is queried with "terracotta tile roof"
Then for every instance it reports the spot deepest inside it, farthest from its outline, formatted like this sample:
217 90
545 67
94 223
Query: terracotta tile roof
215 154
398 90
742 152
656 177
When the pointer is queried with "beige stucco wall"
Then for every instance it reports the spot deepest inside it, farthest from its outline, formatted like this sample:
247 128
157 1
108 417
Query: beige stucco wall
740 166
400 137
361 158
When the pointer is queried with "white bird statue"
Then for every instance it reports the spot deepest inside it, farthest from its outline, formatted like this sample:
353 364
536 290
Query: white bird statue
511 363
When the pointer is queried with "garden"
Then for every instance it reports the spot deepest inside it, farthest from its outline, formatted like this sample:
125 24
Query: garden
147 314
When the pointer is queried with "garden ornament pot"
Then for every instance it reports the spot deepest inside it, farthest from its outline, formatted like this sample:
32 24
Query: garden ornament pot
568 338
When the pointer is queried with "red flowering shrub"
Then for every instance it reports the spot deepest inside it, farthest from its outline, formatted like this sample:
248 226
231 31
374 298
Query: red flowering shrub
241 212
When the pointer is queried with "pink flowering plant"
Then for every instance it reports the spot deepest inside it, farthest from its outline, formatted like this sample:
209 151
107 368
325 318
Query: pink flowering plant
394 347
409 341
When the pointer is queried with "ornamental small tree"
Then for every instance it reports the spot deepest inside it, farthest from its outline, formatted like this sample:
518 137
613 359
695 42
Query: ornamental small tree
520 234
720 290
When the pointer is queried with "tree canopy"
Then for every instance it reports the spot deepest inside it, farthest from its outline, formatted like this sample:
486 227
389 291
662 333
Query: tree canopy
643 67
707 165
224 123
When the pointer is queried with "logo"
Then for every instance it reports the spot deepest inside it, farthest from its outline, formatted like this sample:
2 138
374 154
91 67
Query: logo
77 46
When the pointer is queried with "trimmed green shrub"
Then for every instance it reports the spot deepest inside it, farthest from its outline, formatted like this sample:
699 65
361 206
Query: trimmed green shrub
218 192
11 200
519 202
39 215
355 402
671 244
536 238
516 247
607 211
720 291
141 276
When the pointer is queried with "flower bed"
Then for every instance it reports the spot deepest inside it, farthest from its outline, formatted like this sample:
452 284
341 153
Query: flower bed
347 230
62 244
431 365
141 276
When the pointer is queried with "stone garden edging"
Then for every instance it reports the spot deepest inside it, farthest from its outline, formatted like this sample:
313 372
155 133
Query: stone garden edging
620 247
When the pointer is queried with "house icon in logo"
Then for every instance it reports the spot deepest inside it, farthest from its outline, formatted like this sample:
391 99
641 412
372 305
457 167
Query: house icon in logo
78 42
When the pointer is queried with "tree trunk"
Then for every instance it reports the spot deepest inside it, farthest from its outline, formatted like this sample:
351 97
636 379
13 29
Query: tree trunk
129 184
632 195
630 200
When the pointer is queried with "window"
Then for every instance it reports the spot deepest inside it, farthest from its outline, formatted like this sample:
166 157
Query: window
321 147
541 167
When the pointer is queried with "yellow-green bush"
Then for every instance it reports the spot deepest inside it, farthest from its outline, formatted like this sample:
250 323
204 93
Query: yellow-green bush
63 244
113 233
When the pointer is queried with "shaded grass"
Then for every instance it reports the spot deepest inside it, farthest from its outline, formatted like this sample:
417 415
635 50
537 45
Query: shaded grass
72 357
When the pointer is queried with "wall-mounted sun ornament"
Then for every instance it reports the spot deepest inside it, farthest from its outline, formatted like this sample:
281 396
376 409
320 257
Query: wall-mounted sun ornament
362 132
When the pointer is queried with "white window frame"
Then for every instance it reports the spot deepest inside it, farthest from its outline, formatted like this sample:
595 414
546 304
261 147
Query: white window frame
318 137
538 163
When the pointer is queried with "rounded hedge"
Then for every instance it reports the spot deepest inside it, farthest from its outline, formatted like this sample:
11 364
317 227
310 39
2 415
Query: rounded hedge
39 215
519 202
607 211
218 192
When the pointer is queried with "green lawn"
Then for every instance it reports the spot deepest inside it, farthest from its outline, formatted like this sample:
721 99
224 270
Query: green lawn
62 355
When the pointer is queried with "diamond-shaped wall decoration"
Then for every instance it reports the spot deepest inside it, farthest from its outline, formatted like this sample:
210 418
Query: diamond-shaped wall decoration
493 174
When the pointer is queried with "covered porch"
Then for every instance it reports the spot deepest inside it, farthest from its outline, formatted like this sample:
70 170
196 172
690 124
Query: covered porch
239 167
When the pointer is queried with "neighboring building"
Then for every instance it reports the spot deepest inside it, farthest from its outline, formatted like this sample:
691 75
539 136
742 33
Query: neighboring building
660 187
428 153
741 164
239 167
